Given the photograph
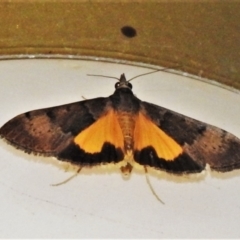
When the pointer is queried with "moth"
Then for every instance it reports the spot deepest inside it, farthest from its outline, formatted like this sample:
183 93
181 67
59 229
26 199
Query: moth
122 129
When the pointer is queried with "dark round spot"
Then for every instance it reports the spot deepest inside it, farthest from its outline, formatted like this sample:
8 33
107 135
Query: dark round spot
130 85
117 85
128 31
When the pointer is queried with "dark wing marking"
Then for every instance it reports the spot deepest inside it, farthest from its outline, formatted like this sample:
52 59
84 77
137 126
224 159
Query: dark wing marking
50 132
202 143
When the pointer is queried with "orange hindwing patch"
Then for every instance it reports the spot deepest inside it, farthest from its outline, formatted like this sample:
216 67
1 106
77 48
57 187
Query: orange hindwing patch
105 130
147 134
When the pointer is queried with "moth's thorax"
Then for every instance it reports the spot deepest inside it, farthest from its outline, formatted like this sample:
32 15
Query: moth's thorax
123 100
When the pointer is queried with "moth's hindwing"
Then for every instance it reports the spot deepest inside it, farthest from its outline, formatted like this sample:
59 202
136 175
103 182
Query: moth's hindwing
55 132
201 144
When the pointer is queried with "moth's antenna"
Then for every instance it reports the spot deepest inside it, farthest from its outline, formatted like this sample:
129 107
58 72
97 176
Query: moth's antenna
159 70
150 186
102 76
68 179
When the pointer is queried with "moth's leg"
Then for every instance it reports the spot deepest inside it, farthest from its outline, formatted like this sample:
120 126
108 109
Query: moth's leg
68 179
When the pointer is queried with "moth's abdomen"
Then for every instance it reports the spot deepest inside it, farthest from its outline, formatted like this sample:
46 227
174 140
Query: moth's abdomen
127 123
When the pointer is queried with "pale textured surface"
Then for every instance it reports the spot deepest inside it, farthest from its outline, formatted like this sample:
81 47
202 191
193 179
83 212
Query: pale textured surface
95 204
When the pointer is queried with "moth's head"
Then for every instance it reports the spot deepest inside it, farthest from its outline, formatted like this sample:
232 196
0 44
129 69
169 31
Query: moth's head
123 83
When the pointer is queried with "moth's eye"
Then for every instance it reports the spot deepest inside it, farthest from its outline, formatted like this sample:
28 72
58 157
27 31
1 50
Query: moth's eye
117 85
129 85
